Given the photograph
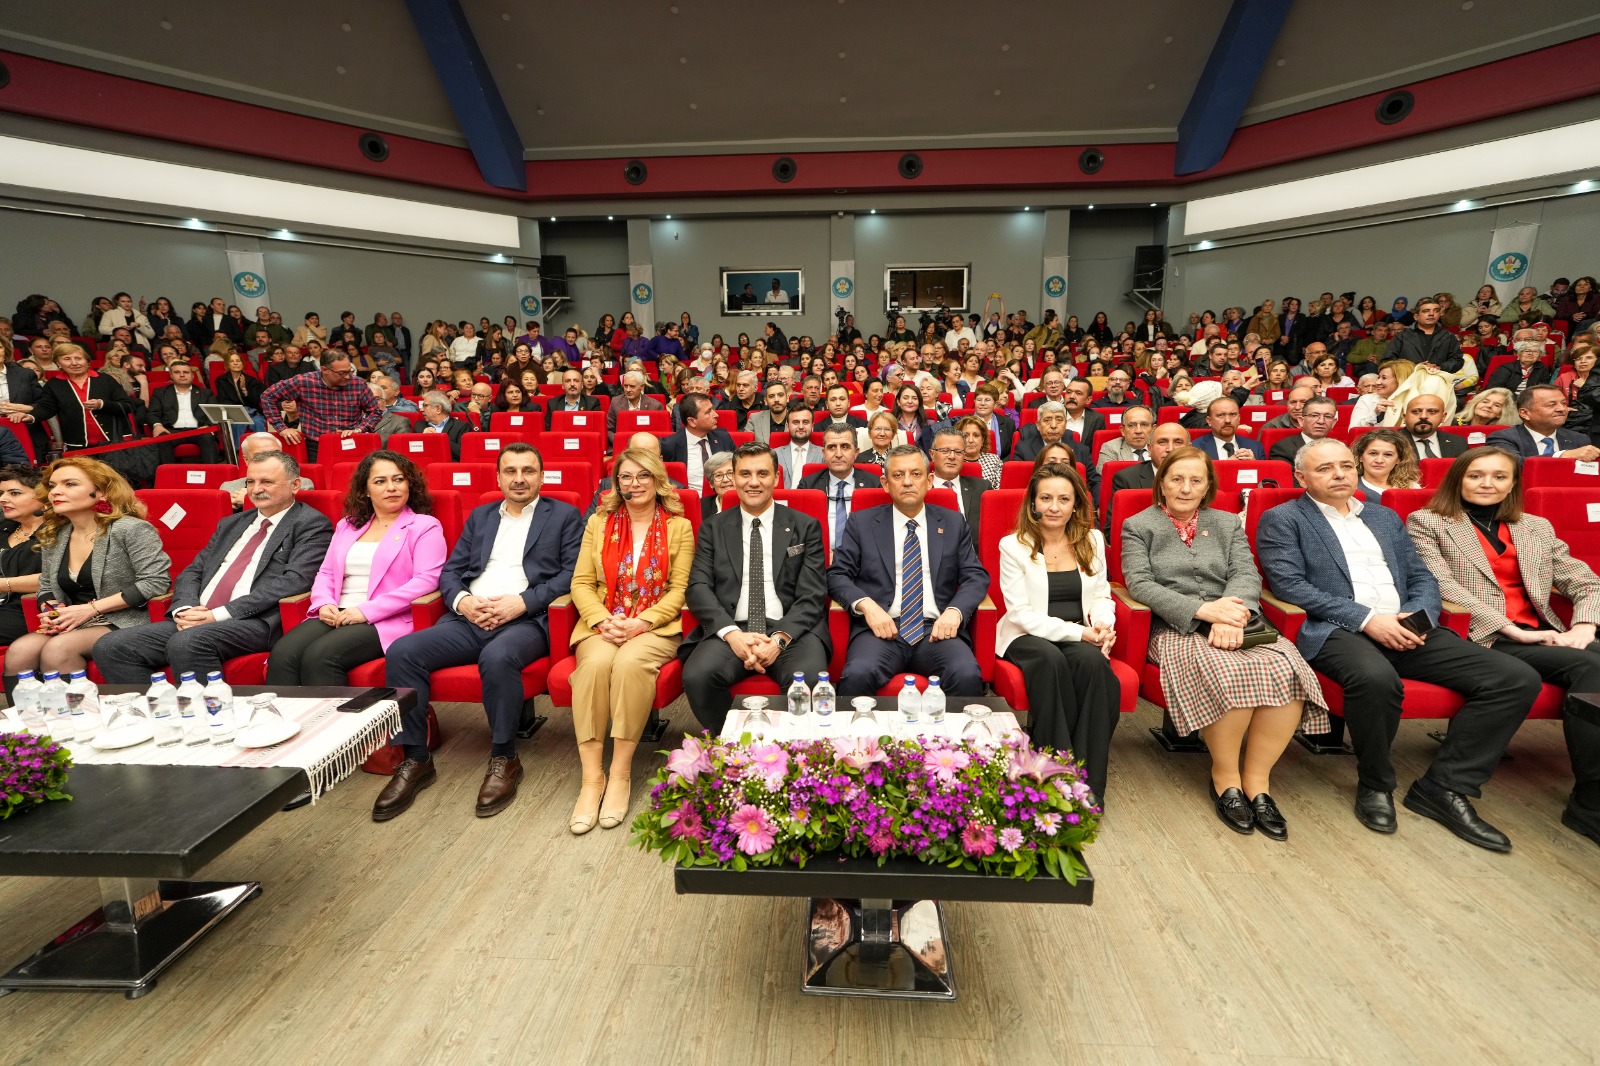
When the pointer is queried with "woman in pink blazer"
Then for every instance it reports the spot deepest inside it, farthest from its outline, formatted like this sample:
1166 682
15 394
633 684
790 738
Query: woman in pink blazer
387 550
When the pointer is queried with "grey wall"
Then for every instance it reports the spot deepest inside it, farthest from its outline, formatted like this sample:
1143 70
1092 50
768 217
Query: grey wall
597 268
1100 269
1003 248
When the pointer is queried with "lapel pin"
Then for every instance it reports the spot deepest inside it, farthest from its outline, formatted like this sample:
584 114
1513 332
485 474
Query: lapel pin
939 529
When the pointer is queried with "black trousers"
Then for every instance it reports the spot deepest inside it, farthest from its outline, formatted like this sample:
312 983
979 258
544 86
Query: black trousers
712 670
207 446
128 656
315 653
1498 688
1576 670
1073 696
872 661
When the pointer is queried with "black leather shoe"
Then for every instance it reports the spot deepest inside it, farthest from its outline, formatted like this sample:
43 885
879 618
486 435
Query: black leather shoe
410 777
1268 818
1581 822
1375 809
1234 810
1454 811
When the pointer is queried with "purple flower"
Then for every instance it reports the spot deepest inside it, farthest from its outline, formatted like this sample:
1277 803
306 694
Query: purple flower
1011 838
977 839
754 829
689 761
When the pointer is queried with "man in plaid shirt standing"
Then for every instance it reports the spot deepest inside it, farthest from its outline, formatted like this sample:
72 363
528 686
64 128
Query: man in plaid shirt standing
330 399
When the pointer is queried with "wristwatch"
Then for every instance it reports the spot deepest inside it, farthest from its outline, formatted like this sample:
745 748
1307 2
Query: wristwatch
783 639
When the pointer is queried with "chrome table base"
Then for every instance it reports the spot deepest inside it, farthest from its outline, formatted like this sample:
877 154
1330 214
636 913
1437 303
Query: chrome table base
877 947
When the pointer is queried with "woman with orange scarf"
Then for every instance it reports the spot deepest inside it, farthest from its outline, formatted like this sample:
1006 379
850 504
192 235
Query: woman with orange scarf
628 587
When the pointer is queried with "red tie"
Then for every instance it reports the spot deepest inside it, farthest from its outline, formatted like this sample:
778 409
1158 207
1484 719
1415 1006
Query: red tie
223 593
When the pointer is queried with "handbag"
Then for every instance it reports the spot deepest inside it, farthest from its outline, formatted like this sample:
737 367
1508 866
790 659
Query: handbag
1257 631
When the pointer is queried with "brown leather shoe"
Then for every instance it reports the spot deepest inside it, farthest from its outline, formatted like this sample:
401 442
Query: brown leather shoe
410 777
499 785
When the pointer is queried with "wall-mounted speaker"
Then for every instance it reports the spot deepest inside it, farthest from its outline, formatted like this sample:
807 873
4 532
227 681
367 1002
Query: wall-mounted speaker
1395 107
373 146
1090 160
910 166
784 169
635 172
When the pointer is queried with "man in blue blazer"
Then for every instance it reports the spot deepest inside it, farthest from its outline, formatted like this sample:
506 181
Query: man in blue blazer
698 440
1354 571
1543 409
1224 442
513 560
899 623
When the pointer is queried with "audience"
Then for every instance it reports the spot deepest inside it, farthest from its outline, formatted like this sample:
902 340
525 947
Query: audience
328 400
20 519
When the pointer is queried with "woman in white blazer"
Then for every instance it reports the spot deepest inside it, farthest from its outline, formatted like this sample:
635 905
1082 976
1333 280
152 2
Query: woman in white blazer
1057 628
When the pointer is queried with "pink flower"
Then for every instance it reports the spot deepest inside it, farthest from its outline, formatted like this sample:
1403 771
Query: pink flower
1025 762
864 753
978 839
689 761
754 829
1048 823
772 763
686 824
945 763
1011 838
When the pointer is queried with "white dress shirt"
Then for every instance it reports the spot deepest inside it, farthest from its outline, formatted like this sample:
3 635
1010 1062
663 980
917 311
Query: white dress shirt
503 573
741 610
246 579
185 419
692 460
1363 557
1076 425
1432 441
954 485
799 456
930 609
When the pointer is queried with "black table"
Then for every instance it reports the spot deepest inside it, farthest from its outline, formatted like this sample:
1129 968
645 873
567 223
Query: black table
143 831
879 930
1585 706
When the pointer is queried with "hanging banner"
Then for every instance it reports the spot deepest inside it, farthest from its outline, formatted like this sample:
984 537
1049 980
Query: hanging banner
843 273
248 273
642 295
530 297
1510 257
1055 286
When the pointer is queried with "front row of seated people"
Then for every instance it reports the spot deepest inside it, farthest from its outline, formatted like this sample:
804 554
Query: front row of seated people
756 582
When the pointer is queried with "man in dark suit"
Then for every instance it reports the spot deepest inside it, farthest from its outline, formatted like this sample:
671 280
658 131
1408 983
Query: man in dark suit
745 399
225 602
841 479
1052 386
948 456
436 419
176 407
1543 409
633 398
1423 416
22 390
1317 420
986 405
1082 420
693 444
1357 575
1224 442
836 412
911 579
571 398
1166 438
513 560
757 588
1051 428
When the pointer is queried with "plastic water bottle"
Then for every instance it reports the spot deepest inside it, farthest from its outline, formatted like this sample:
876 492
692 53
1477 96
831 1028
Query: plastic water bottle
933 701
191 698
163 700
53 706
822 700
83 701
219 707
910 702
799 696
25 698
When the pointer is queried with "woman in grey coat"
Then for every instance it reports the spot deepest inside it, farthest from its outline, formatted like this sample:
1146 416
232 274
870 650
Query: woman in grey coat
1192 565
102 563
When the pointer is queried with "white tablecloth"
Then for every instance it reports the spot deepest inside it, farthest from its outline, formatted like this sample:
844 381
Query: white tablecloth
786 726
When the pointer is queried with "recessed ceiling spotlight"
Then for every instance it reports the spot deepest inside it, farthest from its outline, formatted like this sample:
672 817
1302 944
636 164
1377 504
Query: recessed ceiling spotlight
1283 62
844 99
1462 205
1005 48
195 223
286 235
1091 207
1152 205
1168 40
669 218
1583 186
1152 85
997 92
841 55
1026 208
338 70
552 218
538 111
497 258
683 59
345 26
166 25
522 66
505 16
873 211
1467 6
694 107
673 9
1203 245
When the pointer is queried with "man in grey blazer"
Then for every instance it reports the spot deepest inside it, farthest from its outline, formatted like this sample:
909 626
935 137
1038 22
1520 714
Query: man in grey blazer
764 423
225 603
801 450
1134 444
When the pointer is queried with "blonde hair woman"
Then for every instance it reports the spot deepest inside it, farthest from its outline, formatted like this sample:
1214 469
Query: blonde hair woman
628 587
1491 407
432 340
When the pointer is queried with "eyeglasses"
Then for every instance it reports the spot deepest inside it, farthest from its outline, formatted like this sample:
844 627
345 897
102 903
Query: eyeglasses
633 479
949 451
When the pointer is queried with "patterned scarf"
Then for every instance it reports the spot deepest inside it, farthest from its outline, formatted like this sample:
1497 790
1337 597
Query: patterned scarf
634 586
1186 530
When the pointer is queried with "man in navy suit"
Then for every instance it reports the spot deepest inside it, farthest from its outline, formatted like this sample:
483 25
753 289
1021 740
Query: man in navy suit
1354 571
513 560
911 579
1222 415
1544 414
698 440
841 479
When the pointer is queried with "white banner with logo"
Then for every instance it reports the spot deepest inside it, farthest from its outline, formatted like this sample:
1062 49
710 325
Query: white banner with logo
642 296
843 273
248 281
1510 259
1054 292
530 297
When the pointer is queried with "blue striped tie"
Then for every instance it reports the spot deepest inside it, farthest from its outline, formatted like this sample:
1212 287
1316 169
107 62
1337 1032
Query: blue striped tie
913 627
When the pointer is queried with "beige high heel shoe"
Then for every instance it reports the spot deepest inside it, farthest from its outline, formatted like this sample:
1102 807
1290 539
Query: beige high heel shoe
619 791
587 809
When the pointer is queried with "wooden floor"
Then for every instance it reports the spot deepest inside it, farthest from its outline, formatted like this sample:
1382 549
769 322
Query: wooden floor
440 937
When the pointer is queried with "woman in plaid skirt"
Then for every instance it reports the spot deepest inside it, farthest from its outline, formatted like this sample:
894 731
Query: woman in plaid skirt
1192 565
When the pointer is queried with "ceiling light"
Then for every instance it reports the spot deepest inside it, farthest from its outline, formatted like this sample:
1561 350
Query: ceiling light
873 211
497 258
1026 208
1462 205
552 218
505 17
1203 245
842 99
683 59
1152 205
345 26
1091 207
669 218
338 70
841 55
694 107
195 223
285 235
538 111
1283 62
1152 85
1168 40
166 25
611 218
997 92
1583 186
522 66
1005 48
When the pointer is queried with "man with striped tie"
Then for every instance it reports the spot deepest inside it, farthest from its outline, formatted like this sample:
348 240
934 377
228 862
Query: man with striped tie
841 478
910 577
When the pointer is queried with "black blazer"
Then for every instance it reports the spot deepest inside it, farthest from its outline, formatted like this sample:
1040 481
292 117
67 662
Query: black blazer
1030 444
164 405
57 400
972 490
229 392
552 404
864 564
1449 445
1137 476
1509 376
455 429
289 563
675 449
797 568
22 383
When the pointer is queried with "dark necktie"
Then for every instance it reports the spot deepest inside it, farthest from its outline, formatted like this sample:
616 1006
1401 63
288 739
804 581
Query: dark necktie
1141 455
1427 449
705 457
913 627
757 571
1228 449
223 593
841 510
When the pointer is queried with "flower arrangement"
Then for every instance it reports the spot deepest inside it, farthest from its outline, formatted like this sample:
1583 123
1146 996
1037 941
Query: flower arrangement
32 770
1007 810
